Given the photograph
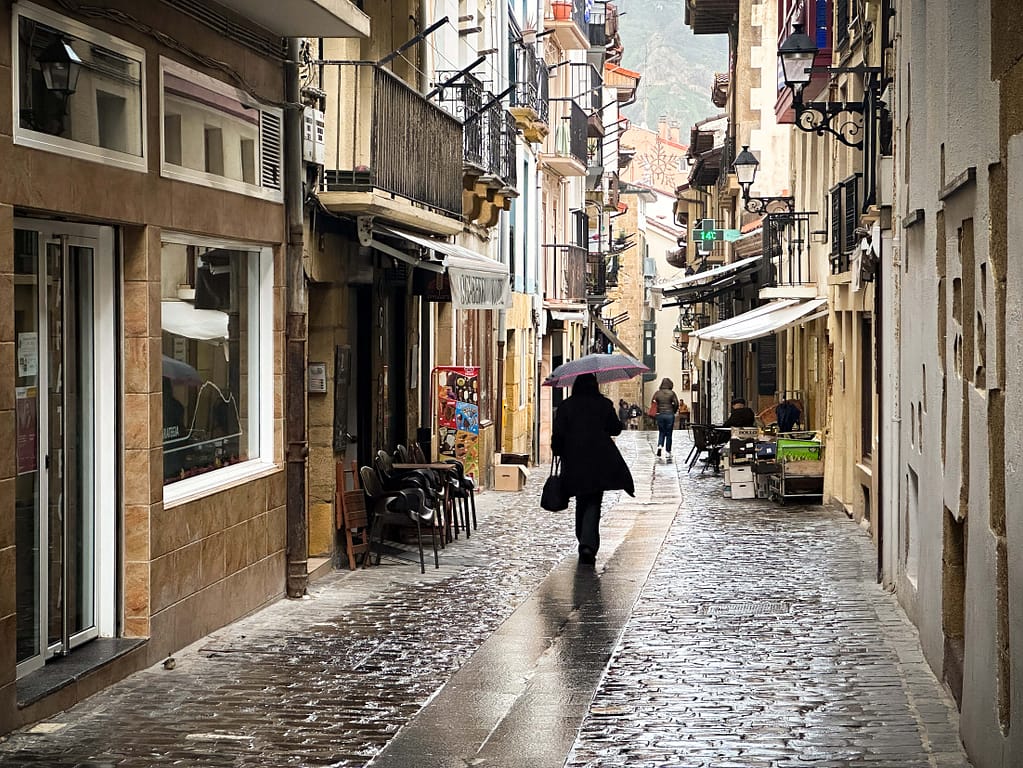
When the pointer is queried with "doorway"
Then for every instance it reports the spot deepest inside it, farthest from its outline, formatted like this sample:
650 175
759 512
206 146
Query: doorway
65 484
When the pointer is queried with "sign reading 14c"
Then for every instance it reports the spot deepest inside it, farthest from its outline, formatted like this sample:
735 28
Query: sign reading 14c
707 232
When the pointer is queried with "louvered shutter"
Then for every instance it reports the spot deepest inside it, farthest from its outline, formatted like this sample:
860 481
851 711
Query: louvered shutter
270 149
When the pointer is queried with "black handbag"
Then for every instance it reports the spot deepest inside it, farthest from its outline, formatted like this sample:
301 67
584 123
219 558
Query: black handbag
553 497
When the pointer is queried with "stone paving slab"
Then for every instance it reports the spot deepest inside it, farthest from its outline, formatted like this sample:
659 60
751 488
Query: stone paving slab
758 639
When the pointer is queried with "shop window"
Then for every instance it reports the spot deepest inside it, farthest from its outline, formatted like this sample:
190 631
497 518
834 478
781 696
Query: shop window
217 351
216 135
99 115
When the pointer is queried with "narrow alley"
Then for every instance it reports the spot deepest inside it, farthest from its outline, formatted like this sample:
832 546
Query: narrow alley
712 633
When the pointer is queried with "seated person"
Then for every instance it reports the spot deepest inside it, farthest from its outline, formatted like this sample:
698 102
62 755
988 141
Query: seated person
742 415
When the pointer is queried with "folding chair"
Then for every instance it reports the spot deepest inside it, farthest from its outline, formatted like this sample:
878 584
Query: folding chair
351 515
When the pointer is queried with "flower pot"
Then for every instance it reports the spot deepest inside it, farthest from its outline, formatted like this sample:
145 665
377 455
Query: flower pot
562 11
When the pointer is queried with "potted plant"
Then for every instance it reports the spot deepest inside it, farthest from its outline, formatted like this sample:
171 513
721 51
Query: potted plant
562 10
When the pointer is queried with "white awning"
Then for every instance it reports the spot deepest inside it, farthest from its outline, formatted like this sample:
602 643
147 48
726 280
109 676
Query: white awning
708 276
606 330
765 319
477 282
304 18
182 319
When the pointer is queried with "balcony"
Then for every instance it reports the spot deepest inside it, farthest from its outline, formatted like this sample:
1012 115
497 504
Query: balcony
569 23
304 18
390 152
489 168
566 272
565 152
596 276
711 17
529 103
786 248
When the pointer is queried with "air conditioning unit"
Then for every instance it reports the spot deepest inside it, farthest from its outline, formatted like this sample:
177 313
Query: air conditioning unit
313 127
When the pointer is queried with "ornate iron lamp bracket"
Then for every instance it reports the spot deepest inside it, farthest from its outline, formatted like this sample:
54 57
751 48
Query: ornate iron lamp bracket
769 205
842 119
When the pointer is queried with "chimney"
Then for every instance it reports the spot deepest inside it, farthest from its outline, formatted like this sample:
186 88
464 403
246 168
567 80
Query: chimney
674 132
662 127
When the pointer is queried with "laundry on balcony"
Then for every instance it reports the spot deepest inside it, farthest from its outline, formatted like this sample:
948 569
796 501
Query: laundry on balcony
765 319
475 281
703 286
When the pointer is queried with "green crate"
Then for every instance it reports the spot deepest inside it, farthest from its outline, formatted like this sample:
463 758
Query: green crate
799 450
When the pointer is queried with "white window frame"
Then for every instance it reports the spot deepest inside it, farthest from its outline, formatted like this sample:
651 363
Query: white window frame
261 386
26 137
179 173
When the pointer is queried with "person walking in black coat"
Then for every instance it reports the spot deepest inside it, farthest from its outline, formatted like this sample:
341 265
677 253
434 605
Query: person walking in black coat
590 462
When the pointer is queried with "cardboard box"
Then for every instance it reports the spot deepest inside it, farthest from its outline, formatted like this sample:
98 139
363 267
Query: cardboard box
510 477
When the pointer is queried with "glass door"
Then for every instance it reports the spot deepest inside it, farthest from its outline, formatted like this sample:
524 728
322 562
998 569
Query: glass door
56 317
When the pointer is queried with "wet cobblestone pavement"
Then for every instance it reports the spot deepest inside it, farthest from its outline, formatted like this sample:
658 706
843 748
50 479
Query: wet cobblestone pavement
758 640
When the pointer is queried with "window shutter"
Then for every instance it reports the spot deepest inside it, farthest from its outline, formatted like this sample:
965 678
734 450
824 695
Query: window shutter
270 149
836 220
851 213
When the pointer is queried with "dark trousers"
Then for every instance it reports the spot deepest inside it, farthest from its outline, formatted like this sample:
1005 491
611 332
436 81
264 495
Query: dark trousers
665 424
587 519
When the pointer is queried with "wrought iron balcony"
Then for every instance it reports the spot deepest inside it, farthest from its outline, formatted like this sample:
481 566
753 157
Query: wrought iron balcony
596 275
566 272
565 152
529 102
569 21
786 246
488 130
384 135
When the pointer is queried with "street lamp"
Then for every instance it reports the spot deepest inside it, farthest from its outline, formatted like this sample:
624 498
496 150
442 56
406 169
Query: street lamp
842 119
745 168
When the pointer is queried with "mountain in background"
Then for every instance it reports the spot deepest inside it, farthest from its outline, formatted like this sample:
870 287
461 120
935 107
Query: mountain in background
677 67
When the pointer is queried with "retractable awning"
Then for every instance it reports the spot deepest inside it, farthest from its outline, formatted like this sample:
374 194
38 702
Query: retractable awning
761 321
477 282
182 319
606 330
704 285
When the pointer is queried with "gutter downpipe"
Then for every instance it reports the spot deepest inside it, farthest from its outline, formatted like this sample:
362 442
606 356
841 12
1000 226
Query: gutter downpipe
297 445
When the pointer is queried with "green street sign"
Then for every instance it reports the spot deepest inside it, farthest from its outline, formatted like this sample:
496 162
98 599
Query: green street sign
731 235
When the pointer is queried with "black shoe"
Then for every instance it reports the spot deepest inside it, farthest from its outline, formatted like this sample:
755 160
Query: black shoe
587 556
658 452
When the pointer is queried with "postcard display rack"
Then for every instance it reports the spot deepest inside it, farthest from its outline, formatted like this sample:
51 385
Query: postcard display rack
458 415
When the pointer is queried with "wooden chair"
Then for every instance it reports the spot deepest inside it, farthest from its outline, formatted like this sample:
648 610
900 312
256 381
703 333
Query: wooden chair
351 515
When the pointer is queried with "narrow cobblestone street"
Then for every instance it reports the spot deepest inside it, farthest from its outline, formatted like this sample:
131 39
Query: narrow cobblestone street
712 633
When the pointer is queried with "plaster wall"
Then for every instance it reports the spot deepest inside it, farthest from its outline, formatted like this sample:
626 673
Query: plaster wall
957 390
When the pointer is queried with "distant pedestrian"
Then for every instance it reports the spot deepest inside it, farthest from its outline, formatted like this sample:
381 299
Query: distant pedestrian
634 414
666 403
590 462
623 413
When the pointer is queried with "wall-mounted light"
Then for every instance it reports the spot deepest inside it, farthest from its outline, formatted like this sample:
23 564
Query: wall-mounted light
841 119
745 168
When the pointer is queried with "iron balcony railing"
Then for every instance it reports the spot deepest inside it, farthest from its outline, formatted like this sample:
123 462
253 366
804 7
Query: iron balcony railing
567 272
388 136
596 275
508 171
598 29
580 14
488 130
532 83
786 245
569 127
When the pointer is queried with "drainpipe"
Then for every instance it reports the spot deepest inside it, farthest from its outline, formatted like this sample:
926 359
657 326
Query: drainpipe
297 446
